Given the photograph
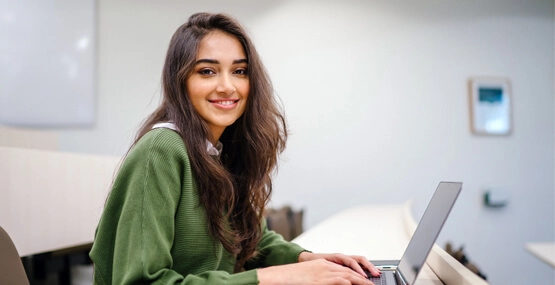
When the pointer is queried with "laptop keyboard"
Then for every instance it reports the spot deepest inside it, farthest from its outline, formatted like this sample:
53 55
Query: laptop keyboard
377 280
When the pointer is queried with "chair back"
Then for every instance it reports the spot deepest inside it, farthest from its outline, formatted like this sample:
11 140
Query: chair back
11 267
285 221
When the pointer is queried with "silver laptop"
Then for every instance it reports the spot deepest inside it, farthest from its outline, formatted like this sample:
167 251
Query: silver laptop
405 271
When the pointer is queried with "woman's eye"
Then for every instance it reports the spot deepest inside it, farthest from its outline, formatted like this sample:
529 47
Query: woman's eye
241 71
205 72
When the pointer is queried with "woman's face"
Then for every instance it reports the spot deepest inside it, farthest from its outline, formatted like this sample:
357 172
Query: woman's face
219 85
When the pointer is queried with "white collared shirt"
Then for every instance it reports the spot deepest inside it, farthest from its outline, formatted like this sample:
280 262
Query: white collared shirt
210 148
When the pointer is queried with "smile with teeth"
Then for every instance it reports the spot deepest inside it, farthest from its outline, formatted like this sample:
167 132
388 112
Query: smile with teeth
224 102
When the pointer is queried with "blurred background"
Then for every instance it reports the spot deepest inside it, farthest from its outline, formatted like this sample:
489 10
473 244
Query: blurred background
376 94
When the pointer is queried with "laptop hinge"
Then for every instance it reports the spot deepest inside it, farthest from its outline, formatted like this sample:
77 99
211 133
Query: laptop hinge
400 278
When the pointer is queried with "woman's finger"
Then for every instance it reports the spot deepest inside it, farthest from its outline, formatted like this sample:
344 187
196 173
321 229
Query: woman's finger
348 261
369 266
366 265
347 273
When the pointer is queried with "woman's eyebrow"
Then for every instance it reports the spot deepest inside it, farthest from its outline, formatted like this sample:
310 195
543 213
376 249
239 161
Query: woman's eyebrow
205 60
214 61
244 60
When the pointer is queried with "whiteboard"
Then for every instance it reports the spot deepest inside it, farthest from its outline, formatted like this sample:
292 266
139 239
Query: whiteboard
47 63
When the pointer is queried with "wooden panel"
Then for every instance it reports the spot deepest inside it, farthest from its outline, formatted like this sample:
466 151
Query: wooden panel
52 200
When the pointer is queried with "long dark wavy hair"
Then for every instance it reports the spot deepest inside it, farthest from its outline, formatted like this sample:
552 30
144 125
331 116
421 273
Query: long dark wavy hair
236 188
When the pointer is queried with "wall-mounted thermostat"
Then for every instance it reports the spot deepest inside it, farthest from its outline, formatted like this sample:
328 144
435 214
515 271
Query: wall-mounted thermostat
490 105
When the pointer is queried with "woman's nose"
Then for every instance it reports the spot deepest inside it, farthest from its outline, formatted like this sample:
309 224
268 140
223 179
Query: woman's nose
225 85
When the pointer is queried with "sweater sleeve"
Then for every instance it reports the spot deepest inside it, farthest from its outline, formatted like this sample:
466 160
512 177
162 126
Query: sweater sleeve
274 250
135 235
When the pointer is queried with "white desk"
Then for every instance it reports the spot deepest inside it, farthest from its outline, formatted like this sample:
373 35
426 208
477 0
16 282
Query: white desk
545 251
51 200
348 232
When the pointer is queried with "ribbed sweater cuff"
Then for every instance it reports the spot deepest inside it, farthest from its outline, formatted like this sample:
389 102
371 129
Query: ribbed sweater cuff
248 277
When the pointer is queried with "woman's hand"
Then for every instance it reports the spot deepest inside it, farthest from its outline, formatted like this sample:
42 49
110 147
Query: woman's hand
314 271
355 262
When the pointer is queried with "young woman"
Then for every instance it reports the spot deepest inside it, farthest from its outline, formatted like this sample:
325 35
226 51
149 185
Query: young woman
186 206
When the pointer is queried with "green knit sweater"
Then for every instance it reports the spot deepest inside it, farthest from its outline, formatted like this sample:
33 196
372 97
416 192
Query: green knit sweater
154 231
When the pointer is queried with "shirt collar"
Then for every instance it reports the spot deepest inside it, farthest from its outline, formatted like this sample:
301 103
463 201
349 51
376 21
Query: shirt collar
214 150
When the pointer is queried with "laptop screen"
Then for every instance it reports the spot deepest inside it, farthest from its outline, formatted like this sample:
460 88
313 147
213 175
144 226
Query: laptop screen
428 230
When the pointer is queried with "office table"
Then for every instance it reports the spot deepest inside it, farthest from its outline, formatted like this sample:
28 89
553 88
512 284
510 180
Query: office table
382 232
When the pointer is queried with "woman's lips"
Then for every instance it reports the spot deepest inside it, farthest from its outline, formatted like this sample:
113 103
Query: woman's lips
224 103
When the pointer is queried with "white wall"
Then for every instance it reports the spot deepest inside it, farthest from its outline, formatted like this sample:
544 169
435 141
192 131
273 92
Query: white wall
375 93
